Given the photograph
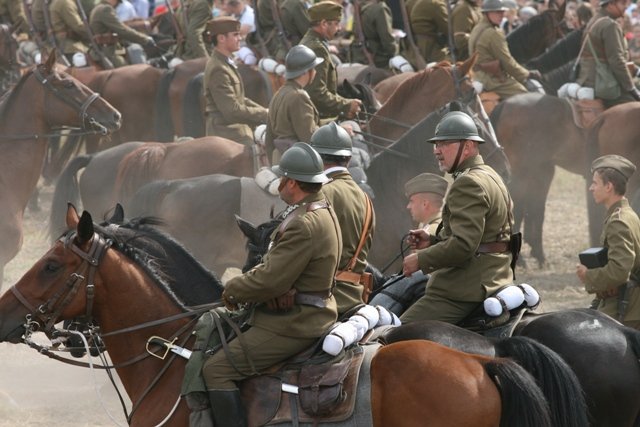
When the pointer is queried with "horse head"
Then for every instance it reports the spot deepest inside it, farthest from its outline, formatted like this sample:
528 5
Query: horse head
361 91
67 102
258 239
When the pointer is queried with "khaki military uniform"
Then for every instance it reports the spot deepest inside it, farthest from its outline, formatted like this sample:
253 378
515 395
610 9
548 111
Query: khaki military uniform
295 20
430 28
104 23
229 113
464 17
304 258
476 211
611 47
12 13
350 205
324 86
621 235
68 27
375 17
431 225
490 44
198 13
39 23
292 116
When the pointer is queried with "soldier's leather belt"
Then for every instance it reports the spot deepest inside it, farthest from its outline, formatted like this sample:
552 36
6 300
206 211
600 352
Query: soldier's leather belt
493 248
348 276
106 38
314 299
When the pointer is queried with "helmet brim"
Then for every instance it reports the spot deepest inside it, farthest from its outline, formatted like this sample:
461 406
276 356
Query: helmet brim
293 74
319 178
454 138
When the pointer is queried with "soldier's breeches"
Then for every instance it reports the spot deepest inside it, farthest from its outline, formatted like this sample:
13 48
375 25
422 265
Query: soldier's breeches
265 349
431 307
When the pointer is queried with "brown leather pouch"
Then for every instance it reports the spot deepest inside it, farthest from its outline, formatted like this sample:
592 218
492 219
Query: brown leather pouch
321 388
492 68
366 280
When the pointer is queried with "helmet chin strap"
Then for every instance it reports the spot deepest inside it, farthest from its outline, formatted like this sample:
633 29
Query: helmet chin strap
454 166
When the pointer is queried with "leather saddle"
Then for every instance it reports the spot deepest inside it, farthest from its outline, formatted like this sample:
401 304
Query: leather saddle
305 389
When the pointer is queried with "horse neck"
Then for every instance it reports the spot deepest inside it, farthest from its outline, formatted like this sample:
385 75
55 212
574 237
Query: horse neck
128 297
22 158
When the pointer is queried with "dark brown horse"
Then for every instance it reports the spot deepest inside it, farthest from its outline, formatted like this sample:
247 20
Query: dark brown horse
136 295
538 132
42 100
113 175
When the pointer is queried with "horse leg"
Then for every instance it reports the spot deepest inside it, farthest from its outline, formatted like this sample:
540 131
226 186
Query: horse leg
535 207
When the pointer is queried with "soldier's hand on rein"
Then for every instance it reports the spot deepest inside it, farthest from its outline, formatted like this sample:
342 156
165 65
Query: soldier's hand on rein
410 264
354 108
228 303
418 239
535 75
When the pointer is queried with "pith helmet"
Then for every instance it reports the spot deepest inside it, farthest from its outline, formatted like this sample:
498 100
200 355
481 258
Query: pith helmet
302 163
456 125
493 5
299 60
332 139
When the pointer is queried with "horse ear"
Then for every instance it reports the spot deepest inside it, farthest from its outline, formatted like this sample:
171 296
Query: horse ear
72 216
51 61
367 79
246 227
85 227
466 66
118 215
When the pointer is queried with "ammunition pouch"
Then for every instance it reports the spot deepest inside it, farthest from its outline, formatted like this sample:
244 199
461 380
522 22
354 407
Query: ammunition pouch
515 244
321 387
364 279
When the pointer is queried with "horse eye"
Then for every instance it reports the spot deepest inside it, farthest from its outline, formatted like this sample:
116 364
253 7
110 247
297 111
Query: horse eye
51 267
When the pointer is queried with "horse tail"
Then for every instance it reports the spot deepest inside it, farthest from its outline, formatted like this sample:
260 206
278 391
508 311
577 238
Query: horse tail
136 169
163 122
523 403
66 191
555 378
192 114
147 199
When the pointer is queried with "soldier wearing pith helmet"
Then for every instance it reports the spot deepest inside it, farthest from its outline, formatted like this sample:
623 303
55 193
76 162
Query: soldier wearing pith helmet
290 291
230 114
292 115
355 215
469 258
325 19
615 285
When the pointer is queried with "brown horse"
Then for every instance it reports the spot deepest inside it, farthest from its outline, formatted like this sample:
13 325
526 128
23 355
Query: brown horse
115 174
409 385
538 132
43 99
137 295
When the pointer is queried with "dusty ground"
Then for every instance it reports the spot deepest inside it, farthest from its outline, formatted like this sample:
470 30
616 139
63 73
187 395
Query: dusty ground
37 391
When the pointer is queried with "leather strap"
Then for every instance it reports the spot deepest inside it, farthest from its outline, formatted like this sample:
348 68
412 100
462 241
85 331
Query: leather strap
493 248
366 229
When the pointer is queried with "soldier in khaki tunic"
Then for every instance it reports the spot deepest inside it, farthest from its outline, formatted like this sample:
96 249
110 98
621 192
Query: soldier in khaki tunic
464 17
229 113
68 27
12 13
104 24
292 115
198 13
294 19
469 259
495 67
375 16
615 284
296 275
325 22
605 36
430 27
354 211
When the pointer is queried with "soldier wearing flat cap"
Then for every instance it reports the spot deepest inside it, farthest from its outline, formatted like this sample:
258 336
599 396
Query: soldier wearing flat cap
616 284
426 194
325 19
230 114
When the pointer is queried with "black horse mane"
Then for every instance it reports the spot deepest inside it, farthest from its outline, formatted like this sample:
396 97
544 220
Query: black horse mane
564 50
519 40
167 262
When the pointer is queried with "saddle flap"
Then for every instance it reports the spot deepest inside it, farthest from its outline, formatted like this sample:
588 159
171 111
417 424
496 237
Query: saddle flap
261 397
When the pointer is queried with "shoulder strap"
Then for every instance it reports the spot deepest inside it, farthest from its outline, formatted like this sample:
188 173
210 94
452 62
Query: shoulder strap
586 38
307 207
366 228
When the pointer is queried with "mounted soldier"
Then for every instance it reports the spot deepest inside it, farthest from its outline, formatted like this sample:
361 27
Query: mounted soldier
377 39
192 17
68 28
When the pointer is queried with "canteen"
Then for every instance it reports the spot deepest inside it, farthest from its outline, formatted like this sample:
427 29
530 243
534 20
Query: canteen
268 64
247 56
531 296
400 63
477 86
79 60
512 296
572 90
585 93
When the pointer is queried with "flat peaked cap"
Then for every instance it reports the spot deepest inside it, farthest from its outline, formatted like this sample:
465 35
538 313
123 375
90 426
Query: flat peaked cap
426 183
325 10
613 161
223 25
